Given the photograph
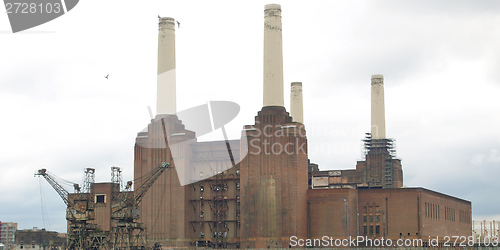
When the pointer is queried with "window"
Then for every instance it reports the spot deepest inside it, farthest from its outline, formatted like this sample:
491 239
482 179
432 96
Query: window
365 230
371 229
377 229
100 198
377 219
371 218
364 218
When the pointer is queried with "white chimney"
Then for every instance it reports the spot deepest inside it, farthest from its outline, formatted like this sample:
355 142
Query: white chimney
166 93
273 56
378 110
296 103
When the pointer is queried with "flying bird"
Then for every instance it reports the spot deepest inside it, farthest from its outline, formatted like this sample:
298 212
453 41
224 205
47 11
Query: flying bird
106 76
178 24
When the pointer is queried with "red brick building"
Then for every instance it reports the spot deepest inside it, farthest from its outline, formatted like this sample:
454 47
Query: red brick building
201 213
259 191
274 180
402 213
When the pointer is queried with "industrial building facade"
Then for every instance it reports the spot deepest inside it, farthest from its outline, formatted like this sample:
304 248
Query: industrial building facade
260 196
255 192
402 213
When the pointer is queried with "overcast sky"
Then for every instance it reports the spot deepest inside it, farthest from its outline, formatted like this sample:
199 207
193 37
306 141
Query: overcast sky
440 61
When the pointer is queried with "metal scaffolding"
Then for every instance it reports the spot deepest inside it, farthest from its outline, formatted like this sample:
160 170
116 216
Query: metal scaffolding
385 148
216 205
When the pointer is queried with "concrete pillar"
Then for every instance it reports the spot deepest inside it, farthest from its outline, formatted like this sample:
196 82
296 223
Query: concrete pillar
296 103
273 57
378 109
166 93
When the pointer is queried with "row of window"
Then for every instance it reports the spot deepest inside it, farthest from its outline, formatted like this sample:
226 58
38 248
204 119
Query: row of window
219 213
366 228
218 199
371 215
464 216
371 218
449 214
371 209
221 187
215 235
432 211
220 234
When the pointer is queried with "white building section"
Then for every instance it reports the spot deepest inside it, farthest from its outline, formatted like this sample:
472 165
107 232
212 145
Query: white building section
166 79
378 108
273 57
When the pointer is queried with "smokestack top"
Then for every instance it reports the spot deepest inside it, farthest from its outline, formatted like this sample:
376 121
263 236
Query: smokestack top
377 79
297 84
272 7
166 87
273 57
378 107
166 23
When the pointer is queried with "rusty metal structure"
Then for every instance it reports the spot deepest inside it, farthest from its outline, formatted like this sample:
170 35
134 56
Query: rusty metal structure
80 211
127 233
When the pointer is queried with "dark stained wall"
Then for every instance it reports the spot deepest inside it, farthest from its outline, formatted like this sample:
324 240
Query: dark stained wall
332 212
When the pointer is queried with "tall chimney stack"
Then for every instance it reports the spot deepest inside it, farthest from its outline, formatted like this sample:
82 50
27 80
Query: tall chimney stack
166 93
378 109
273 56
296 103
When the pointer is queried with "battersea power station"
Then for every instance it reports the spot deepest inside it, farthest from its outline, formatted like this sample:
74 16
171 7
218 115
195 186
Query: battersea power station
262 191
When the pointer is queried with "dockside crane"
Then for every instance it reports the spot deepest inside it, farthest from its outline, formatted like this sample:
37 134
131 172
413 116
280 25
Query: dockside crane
80 210
127 233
